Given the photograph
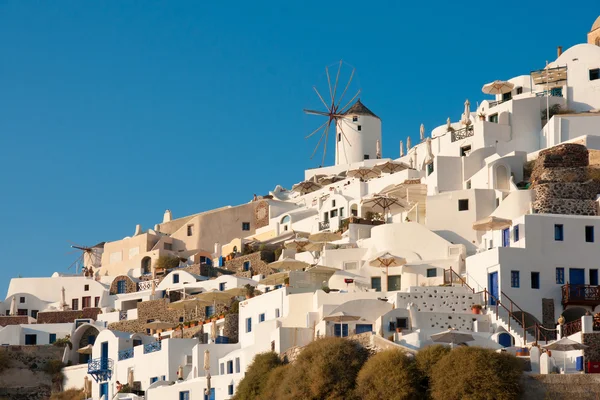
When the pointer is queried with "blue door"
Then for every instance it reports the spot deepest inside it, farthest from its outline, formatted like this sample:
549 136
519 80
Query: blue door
505 340
506 237
362 328
576 277
493 287
340 330
104 356
104 390
210 396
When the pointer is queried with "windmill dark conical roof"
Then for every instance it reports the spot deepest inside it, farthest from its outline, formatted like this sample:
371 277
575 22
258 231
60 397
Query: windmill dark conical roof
359 108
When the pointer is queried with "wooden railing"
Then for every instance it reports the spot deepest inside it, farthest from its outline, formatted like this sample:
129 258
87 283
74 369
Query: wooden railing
537 330
580 295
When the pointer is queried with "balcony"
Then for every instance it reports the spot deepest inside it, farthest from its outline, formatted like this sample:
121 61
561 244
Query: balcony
152 347
357 220
463 133
580 295
126 354
100 369
323 225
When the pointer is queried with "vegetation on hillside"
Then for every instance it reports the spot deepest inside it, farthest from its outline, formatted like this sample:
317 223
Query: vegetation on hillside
257 374
71 394
167 262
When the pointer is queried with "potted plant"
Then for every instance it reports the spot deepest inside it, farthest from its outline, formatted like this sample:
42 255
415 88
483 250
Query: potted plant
481 116
186 324
249 291
476 308
193 323
287 281
399 330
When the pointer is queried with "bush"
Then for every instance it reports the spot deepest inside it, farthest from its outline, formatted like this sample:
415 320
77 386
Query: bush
253 383
389 375
4 360
276 387
167 262
428 357
472 373
71 394
326 369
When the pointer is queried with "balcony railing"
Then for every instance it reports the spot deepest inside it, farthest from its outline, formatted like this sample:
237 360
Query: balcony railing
323 225
126 354
582 295
463 133
152 347
555 92
146 285
100 368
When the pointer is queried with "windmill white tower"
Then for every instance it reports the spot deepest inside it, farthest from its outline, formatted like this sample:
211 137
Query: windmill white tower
362 129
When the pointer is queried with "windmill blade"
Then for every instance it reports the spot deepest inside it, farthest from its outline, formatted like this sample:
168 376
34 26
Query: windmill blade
321 97
82 248
318 129
337 78
346 88
317 146
315 112
325 145
329 83
75 262
351 100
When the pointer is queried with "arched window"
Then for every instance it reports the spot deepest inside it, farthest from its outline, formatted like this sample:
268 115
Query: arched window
146 264
502 178
285 220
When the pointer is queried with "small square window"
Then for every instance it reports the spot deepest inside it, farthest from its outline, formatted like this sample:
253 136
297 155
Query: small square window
190 230
246 266
237 365
221 286
22 300
86 288
333 213
589 234
493 118
431 272
332 203
230 390
168 246
519 90
514 279
594 74
560 276
535 280
261 317
277 315
469 184
245 226
354 118
463 204
465 150
366 157
248 325
230 367
52 338
516 233
559 234
359 127
175 278
402 323
506 96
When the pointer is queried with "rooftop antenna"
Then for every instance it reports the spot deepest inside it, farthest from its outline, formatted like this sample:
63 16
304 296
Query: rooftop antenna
334 111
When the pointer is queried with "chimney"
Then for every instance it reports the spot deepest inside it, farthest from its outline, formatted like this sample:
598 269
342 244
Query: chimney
559 50
167 217
138 230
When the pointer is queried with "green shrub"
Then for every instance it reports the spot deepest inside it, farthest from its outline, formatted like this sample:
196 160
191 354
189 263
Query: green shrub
276 387
251 386
71 394
326 369
389 375
4 360
473 373
429 356
167 262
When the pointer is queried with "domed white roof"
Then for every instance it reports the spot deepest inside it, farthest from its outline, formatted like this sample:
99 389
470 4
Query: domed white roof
596 25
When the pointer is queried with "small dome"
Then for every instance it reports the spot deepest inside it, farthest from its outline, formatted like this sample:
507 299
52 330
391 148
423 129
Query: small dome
596 25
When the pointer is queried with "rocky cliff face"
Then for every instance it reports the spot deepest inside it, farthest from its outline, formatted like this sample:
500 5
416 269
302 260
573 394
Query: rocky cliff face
561 182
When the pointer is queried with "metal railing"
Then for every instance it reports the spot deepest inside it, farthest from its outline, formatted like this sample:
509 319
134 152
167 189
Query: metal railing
125 354
496 102
147 285
462 133
554 92
100 368
323 225
152 347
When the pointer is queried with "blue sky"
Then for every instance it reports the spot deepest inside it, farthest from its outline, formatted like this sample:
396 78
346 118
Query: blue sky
111 112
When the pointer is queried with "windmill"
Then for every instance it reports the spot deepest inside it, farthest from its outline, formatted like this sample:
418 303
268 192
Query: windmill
90 256
334 111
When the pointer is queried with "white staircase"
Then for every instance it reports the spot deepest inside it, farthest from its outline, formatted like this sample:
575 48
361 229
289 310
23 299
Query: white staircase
515 329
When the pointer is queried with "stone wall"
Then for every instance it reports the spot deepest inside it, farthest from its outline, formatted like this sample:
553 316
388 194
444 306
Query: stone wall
158 310
25 379
130 286
14 320
259 264
58 317
592 353
561 181
548 314
261 214
231 328
207 270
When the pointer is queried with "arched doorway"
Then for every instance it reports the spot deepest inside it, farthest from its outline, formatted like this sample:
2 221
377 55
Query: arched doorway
505 340
146 265
87 337
573 314
502 178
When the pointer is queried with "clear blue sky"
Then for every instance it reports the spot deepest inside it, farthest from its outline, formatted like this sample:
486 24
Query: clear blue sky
111 112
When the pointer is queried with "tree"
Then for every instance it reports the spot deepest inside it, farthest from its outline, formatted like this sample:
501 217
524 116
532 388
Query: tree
473 373
389 375
167 262
326 369
253 383
429 356
277 387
